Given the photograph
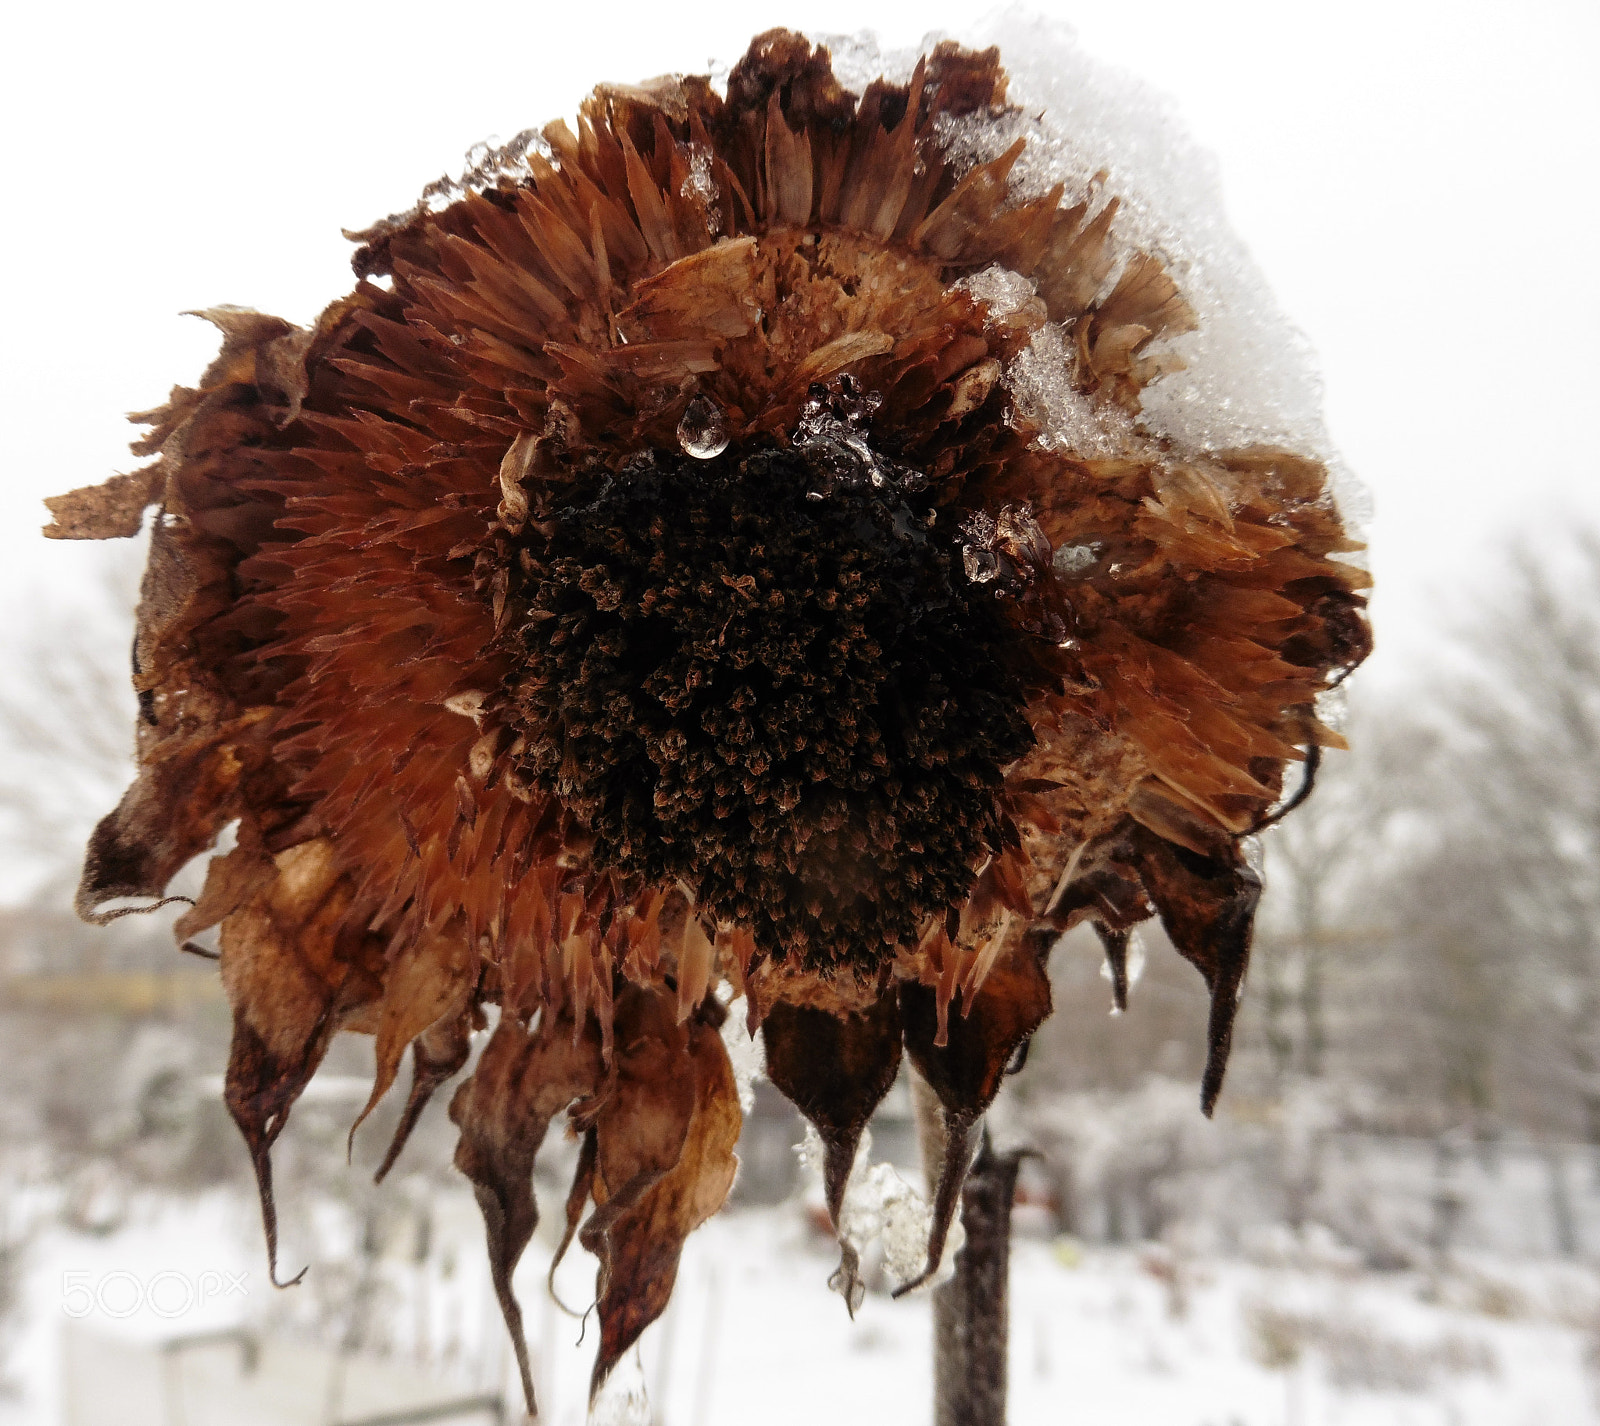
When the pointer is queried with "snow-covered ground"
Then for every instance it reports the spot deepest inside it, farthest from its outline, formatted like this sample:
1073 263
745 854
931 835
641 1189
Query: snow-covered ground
1295 1335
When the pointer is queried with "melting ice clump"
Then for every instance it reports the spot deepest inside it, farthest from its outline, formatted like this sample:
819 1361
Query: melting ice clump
882 1211
622 1400
745 1053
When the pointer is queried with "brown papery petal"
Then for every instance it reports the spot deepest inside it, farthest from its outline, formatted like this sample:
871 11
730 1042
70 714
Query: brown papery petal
438 1054
521 1083
642 1119
114 510
294 975
427 983
641 1247
1208 907
965 1073
835 1069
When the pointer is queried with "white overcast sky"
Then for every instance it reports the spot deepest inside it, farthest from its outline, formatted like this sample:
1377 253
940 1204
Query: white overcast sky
1417 181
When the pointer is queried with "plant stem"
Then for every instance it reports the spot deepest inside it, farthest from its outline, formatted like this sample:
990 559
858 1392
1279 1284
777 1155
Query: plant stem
971 1314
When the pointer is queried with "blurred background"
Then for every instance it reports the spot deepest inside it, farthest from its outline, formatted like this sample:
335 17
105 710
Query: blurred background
1394 1217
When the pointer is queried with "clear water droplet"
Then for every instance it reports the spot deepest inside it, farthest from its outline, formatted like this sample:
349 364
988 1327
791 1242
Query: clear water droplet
703 431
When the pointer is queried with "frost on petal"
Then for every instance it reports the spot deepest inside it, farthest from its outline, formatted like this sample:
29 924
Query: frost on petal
835 1069
900 1216
522 1081
1050 397
623 1399
1004 293
745 1053
881 1207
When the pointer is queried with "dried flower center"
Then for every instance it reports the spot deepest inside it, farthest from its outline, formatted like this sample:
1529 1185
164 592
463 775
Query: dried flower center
775 682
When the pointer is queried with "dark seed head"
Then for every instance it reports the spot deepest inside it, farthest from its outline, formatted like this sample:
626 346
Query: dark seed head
790 703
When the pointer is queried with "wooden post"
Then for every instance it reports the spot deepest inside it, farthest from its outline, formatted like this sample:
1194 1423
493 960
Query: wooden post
971 1314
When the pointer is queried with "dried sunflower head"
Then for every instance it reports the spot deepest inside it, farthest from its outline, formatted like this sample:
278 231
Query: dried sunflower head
650 577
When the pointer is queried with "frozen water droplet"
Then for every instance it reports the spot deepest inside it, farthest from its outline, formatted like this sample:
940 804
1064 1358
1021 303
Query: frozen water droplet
981 565
1135 963
703 432
1074 559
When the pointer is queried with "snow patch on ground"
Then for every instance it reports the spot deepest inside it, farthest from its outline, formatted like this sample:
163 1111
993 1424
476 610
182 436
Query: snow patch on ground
1137 1336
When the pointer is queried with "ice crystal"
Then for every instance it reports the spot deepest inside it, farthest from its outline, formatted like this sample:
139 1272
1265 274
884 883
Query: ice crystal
1042 385
1004 292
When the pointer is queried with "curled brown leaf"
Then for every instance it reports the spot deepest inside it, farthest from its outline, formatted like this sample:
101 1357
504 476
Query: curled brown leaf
1208 907
295 974
523 1080
437 1055
642 1245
